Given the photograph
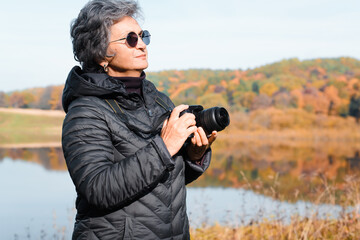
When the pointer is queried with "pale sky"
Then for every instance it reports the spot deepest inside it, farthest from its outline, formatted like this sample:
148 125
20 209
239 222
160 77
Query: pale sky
36 49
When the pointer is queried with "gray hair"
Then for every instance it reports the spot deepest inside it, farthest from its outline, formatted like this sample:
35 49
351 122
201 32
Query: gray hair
90 32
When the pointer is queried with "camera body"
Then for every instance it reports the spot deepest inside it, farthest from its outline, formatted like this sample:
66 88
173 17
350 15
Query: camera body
211 119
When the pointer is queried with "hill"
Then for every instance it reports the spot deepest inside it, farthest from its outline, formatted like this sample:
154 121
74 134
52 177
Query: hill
321 86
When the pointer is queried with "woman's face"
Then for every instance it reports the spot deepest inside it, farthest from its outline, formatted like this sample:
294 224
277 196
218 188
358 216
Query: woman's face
125 60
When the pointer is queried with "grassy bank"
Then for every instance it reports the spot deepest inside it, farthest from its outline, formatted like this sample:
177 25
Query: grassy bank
348 227
29 126
345 226
268 126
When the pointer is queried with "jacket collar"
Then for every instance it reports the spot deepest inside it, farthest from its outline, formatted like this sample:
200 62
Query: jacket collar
101 85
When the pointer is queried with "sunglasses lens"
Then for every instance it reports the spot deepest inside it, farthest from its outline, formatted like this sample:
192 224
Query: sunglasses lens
145 36
132 39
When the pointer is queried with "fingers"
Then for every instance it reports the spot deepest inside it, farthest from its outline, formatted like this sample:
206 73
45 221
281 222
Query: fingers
186 120
191 130
200 138
195 140
176 129
177 110
203 139
213 137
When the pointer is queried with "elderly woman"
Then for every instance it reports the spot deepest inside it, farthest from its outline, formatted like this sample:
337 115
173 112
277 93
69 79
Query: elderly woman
124 142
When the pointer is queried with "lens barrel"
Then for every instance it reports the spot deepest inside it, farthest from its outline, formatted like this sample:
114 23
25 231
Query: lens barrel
212 119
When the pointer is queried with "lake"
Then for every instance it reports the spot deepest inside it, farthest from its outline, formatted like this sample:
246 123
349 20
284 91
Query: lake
245 183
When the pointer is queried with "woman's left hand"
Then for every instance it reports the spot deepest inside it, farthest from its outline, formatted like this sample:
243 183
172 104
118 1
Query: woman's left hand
199 144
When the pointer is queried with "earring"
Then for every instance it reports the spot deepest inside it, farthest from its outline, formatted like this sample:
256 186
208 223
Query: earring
106 69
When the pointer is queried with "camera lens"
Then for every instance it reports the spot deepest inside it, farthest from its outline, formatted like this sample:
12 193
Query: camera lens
216 118
222 117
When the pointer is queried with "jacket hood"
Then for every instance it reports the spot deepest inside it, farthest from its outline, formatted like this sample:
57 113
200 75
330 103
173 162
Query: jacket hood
100 85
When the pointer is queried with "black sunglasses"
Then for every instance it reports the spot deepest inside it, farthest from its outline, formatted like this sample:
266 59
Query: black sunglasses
132 38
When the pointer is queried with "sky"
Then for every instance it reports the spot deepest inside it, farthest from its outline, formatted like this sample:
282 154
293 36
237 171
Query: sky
36 50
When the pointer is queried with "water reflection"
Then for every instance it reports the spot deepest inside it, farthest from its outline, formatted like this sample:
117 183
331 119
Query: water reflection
39 204
291 171
51 158
239 207
35 203
294 171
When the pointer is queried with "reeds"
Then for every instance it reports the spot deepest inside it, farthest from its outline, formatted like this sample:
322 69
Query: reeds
344 226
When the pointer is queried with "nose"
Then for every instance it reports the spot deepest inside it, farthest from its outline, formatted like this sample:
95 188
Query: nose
140 44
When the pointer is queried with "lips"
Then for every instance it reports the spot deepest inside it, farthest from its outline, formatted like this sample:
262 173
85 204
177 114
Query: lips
141 56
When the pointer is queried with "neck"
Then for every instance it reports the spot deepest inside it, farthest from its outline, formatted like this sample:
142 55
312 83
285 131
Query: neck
133 73
132 84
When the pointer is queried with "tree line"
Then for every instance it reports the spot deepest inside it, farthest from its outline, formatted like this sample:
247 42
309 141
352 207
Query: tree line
328 86
40 98
321 86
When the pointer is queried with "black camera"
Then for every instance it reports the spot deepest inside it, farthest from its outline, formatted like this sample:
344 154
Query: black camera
211 119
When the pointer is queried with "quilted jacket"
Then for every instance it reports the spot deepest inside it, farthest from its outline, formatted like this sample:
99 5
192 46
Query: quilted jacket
128 186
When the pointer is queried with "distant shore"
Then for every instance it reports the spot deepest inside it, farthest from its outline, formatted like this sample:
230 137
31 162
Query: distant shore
32 111
31 145
30 127
35 128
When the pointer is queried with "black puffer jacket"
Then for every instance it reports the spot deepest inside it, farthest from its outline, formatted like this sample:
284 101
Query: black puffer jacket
128 185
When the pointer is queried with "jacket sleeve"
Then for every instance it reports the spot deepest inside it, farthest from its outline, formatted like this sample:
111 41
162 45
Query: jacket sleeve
192 170
88 151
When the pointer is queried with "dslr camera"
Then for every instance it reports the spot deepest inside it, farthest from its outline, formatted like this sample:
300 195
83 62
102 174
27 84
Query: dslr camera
211 119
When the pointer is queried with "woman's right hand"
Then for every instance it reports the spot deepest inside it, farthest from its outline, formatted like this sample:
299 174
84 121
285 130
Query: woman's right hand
177 129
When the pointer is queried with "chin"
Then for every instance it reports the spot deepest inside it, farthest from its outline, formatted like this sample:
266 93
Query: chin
143 66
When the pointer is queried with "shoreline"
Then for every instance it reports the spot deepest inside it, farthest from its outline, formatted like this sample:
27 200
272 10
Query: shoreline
272 138
33 111
31 145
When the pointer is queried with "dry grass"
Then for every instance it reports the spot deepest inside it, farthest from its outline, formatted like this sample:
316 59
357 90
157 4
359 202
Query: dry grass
345 226
30 126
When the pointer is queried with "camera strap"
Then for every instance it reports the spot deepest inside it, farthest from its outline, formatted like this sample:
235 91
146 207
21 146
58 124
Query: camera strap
155 129
163 104
114 105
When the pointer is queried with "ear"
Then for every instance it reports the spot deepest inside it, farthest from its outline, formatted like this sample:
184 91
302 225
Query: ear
108 58
104 63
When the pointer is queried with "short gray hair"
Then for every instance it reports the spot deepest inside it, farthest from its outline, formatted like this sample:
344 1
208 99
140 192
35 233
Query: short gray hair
90 31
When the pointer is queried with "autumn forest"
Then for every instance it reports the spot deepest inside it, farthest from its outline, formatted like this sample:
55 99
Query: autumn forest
320 86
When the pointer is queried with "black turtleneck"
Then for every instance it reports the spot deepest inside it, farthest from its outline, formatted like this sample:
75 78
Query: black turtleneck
133 84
